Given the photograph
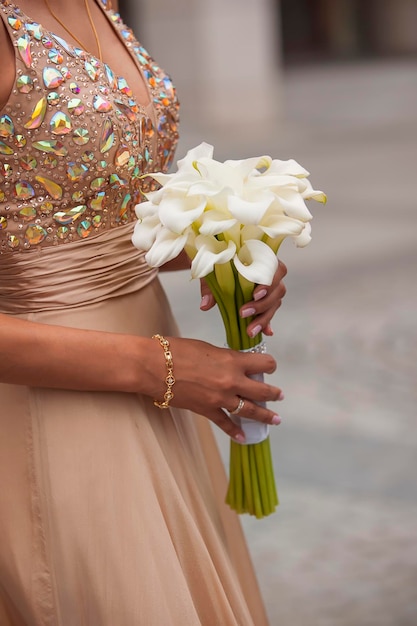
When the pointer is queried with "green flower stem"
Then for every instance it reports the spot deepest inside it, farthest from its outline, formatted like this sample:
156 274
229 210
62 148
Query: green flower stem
255 474
246 473
262 478
251 481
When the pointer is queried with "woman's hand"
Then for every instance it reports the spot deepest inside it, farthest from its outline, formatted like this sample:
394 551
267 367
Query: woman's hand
210 380
266 301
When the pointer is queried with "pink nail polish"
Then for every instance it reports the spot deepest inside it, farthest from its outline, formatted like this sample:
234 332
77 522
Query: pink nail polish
240 438
204 301
276 420
248 312
281 396
255 331
260 294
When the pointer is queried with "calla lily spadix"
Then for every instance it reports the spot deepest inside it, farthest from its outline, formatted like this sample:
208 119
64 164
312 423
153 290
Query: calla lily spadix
231 218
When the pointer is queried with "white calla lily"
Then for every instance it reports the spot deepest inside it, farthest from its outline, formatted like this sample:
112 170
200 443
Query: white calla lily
210 252
256 262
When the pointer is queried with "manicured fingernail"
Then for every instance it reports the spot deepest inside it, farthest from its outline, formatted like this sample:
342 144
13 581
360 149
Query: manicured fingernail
247 312
255 331
276 420
240 438
204 301
260 294
281 396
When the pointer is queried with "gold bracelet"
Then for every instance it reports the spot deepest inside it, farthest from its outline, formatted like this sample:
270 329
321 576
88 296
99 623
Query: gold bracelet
169 379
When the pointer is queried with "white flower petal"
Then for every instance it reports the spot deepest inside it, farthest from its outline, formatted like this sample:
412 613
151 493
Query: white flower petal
178 212
214 222
145 232
292 204
256 262
167 246
276 225
304 238
202 150
249 212
210 251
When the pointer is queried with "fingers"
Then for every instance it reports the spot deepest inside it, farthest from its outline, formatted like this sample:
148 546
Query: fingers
250 411
207 298
266 301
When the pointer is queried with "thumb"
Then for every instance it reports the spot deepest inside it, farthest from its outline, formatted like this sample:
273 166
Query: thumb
207 298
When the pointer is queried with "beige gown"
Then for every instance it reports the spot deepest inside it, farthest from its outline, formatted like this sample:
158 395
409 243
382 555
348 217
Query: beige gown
111 511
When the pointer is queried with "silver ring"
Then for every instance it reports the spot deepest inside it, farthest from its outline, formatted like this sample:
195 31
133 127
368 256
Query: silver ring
238 408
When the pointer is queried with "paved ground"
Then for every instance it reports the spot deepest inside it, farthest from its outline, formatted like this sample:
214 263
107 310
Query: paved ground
342 548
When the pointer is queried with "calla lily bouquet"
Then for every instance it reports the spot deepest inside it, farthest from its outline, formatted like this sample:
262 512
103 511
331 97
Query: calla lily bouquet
231 218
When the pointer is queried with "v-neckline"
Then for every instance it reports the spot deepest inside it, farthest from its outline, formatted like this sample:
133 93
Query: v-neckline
147 107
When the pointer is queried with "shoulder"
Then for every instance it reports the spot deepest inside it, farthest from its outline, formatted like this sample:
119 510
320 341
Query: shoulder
7 56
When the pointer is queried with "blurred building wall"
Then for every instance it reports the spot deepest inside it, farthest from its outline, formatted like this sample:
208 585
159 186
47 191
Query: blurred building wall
316 30
224 56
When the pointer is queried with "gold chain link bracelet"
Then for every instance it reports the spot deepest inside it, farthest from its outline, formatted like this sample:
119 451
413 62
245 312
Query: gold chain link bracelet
170 379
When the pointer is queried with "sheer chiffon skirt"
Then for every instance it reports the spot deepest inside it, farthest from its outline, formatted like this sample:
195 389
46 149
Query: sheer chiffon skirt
112 511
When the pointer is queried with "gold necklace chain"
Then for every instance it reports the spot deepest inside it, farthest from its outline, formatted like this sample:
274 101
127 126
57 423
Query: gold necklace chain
90 19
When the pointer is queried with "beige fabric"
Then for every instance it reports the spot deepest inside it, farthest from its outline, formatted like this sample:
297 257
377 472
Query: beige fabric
111 511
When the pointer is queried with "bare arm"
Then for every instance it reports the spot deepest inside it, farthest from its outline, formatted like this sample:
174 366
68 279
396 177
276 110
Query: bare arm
42 355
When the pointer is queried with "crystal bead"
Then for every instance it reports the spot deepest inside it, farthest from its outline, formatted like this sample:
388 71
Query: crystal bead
50 162
97 203
122 156
24 84
24 190
76 106
27 213
98 184
53 145
53 98
23 46
37 115
14 22
35 234
13 241
20 141
28 162
101 105
35 30
54 190
74 88
76 171
62 232
52 78
92 71
124 87
84 229
3 222
55 56
60 124
80 136
69 217
5 149
107 136
6 127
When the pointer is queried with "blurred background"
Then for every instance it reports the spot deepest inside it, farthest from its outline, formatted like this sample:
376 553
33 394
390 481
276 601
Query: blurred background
333 84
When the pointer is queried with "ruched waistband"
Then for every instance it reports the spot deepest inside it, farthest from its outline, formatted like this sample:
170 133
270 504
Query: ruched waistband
74 274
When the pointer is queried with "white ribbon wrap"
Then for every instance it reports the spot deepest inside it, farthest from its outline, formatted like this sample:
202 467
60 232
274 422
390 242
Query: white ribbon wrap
255 431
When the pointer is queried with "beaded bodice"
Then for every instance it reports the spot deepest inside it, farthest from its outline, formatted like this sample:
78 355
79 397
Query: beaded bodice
74 143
